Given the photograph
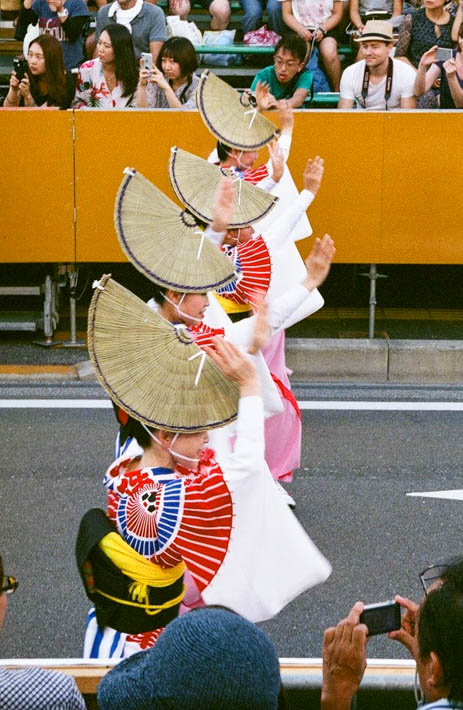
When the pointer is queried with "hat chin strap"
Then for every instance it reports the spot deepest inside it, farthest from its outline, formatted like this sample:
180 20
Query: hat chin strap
179 311
170 449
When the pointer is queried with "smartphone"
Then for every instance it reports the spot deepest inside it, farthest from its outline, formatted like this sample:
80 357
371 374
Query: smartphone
443 54
147 60
19 65
381 618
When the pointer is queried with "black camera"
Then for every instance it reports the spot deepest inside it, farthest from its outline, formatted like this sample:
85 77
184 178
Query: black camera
381 618
20 67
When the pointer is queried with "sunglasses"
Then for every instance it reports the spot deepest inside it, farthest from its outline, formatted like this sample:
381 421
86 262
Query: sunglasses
9 584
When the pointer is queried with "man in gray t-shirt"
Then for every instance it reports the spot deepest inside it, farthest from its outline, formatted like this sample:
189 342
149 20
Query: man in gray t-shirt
145 21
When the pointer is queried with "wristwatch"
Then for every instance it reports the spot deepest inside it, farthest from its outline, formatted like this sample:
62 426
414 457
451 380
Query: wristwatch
63 13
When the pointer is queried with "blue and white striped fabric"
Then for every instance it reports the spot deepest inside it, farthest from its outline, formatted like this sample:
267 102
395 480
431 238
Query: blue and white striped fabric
102 644
129 447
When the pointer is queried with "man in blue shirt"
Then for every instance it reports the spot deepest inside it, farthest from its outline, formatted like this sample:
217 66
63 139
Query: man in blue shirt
146 23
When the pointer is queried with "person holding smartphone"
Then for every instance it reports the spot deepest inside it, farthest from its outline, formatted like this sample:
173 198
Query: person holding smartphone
422 29
450 73
431 631
110 79
42 80
172 82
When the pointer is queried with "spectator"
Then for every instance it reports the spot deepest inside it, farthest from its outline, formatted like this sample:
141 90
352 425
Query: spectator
219 11
360 8
33 687
210 658
252 17
45 81
451 79
109 80
315 21
145 22
457 22
432 633
422 29
172 82
377 82
287 78
66 20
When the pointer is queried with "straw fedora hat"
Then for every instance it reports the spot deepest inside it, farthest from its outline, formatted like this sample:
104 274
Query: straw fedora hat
164 242
377 29
231 117
151 368
195 181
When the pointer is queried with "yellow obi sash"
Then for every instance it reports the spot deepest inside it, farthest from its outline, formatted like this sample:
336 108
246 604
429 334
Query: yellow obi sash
144 573
230 306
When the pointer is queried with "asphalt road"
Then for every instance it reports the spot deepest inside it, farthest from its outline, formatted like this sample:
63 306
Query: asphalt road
357 467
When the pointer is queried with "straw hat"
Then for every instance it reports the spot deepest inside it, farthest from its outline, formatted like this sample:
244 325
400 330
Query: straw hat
195 181
151 368
377 29
164 242
231 117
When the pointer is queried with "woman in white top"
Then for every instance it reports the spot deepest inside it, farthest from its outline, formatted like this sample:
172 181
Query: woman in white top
110 80
314 21
172 82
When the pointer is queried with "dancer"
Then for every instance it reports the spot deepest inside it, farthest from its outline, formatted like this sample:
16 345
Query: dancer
282 267
189 304
173 508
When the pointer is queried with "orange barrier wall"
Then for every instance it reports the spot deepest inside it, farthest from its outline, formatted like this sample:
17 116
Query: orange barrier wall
36 186
391 192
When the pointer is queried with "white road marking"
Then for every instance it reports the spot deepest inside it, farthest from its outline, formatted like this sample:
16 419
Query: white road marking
446 495
332 405
384 406
55 404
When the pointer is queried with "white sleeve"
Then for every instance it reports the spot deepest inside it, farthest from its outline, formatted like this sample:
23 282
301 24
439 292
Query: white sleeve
297 303
268 183
216 238
248 454
346 88
282 227
407 88
284 141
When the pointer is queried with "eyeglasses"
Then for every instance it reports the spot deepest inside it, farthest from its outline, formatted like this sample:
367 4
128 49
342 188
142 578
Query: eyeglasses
430 575
9 584
280 63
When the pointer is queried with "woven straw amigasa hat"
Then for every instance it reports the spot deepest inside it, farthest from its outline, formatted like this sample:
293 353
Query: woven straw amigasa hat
377 30
231 117
151 368
164 242
195 182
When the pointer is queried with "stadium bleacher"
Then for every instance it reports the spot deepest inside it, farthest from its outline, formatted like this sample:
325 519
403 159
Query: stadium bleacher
254 57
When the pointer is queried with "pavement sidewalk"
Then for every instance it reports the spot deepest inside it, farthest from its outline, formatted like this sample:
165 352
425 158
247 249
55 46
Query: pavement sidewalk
411 346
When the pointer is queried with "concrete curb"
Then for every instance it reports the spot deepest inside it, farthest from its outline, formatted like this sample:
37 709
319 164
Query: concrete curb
321 360
405 361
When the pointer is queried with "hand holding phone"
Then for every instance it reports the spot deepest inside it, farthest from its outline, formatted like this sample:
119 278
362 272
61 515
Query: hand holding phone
443 54
381 618
19 66
147 61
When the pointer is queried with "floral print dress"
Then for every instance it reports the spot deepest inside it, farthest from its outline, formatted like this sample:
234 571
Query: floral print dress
93 92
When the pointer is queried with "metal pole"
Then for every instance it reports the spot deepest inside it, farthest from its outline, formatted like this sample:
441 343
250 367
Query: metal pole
371 323
73 343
